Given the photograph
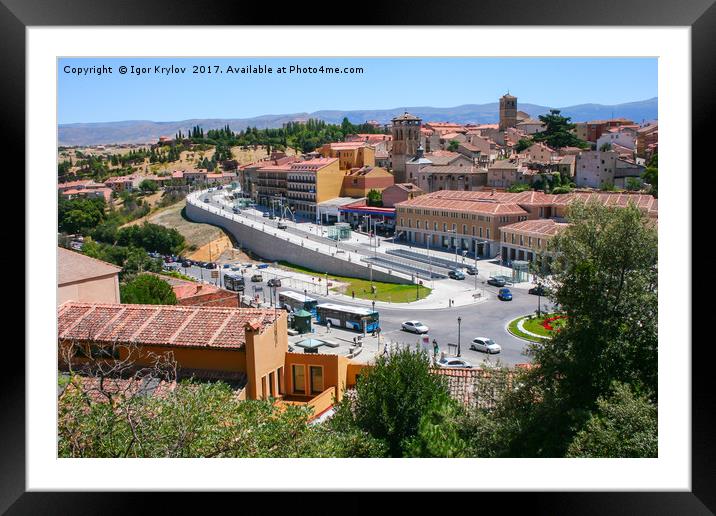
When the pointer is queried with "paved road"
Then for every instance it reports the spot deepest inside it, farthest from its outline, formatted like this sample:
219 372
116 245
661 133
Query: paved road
484 319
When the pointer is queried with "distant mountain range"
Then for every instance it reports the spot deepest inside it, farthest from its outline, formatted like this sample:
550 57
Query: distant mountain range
145 131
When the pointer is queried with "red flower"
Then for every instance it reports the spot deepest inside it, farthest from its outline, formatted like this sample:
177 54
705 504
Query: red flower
546 322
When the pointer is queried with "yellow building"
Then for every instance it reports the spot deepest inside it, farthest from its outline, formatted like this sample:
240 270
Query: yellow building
350 154
311 182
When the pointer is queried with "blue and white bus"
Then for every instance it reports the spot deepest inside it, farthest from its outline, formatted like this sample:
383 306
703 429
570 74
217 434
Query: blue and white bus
343 316
296 301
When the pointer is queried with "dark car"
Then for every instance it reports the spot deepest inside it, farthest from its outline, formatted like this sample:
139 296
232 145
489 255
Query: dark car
455 274
497 282
504 294
539 290
211 265
256 278
274 282
186 263
471 270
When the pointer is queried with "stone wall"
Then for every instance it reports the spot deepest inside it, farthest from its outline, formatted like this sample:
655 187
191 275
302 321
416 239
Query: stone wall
272 248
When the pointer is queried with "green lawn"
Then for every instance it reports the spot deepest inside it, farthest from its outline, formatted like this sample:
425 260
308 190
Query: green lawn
391 292
534 325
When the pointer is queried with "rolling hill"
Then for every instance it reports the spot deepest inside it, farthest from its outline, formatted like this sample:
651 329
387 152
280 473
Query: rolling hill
144 131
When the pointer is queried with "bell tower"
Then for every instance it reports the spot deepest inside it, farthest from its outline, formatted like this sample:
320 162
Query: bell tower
406 139
508 111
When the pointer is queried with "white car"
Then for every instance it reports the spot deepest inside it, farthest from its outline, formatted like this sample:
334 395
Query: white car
485 344
455 362
415 327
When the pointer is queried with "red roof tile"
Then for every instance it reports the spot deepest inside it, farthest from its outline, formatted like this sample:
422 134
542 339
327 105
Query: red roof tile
185 326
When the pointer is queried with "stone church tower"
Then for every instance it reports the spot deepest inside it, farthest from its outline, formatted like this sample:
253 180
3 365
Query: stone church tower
406 139
508 111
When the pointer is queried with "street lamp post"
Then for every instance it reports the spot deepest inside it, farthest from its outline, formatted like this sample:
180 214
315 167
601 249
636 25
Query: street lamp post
539 297
326 283
459 320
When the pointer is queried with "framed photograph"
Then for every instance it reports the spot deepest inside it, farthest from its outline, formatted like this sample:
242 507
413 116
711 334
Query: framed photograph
428 240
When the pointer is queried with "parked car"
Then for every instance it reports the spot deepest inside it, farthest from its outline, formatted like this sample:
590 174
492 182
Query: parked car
486 345
186 263
206 199
262 266
282 225
471 270
257 278
211 265
226 266
454 362
496 281
539 290
235 210
504 294
272 217
265 215
455 274
236 268
415 327
274 282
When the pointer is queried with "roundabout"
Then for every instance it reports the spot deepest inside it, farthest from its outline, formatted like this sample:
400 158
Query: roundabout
536 329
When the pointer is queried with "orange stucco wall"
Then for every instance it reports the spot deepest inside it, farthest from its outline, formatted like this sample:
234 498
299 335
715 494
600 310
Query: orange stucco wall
265 350
335 368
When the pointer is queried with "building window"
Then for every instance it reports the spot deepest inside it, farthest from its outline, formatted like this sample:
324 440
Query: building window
299 379
271 376
316 380
279 377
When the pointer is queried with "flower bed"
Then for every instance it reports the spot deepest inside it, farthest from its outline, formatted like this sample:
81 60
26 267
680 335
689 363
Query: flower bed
547 322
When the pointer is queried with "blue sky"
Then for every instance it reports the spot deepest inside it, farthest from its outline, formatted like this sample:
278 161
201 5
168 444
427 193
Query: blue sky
385 83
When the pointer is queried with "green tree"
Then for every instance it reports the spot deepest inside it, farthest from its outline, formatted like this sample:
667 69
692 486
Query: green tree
374 198
194 420
148 185
518 187
440 431
147 289
77 221
604 279
651 175
633 184
391 398
523 144
623 425
605 147
453 145
558 131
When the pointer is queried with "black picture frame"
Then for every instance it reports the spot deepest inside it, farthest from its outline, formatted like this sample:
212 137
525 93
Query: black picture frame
700 15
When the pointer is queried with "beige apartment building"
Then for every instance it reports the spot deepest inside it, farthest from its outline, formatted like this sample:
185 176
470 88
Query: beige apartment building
528 239
473 221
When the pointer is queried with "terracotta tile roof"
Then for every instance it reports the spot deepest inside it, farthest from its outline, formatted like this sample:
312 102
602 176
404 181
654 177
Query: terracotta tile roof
94 387
464 201
464 386
475 204
313 164
346 145
406 116
183 326
539 227
74 184
73 266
